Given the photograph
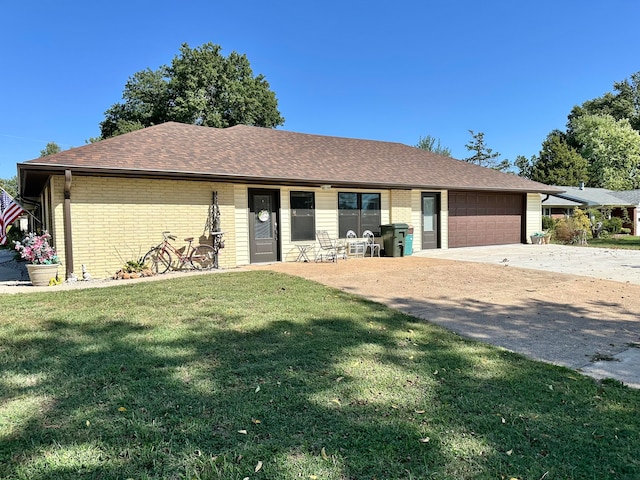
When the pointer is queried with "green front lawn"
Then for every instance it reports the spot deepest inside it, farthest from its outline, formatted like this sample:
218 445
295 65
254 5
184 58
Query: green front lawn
627 241
263 376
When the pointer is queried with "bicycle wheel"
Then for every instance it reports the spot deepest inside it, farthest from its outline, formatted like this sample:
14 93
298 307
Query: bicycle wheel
158 260
203 257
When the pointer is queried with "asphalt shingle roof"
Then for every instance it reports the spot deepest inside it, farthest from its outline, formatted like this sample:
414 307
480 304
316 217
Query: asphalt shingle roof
631 196
593 196
556 201
243 153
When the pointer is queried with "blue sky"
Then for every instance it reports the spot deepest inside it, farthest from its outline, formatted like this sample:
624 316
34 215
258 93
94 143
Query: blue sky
391 71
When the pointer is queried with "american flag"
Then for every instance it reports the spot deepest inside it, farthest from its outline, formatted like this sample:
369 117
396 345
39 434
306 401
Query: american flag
10 210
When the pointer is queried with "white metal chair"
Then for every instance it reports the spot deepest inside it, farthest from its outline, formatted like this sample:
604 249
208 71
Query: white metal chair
371 243
329 248
354 246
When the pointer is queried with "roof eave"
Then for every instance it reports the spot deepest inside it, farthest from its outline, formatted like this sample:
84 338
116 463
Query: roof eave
47 168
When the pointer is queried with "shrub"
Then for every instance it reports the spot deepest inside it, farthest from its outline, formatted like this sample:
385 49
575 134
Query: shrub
574 228
625 231
612 225
548 223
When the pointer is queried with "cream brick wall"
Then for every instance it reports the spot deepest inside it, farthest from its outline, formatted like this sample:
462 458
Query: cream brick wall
401 206
114 220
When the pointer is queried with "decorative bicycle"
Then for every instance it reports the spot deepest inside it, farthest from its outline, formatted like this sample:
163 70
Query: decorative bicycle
200 257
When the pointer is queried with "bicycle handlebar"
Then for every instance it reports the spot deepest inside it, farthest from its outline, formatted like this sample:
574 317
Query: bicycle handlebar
167 236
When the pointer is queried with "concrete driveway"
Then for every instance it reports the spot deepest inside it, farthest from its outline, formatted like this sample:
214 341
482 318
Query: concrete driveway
602 263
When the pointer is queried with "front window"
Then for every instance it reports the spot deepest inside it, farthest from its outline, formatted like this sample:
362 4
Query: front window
303 216
358 212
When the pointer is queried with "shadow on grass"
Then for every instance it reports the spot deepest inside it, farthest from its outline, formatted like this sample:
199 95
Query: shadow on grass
208 376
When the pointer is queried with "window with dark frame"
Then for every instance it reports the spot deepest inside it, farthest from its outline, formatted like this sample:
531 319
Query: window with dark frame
303 216
359 212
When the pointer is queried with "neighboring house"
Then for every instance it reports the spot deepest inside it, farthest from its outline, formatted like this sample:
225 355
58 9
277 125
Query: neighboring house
558 207
108 202
562 204
632 197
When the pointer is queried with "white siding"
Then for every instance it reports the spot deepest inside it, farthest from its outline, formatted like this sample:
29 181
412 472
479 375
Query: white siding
533 214
241 202
444 219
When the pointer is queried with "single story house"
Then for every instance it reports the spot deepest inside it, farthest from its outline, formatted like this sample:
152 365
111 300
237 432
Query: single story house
557 207
632 197
562 204
108 202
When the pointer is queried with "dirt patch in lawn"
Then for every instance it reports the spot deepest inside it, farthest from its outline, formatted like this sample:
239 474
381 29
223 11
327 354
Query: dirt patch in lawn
559 318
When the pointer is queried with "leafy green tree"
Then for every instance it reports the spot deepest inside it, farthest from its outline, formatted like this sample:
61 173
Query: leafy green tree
50 149
200 87
432 144
484 156
558 163
623 103
612 148
525 165
10 185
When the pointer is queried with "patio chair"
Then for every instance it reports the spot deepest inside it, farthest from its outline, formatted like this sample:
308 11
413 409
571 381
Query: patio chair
371 243
328 247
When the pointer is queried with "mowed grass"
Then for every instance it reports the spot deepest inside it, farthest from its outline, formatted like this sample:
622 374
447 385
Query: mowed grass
264 376
627 242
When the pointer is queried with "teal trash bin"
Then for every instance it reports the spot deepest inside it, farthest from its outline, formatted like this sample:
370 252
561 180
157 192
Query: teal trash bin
394 236
408 243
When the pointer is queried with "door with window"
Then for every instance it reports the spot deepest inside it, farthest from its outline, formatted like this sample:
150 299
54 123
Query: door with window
430 209
264 208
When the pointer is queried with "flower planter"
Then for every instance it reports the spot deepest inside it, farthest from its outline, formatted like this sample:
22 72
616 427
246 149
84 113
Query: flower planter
536 240
40 275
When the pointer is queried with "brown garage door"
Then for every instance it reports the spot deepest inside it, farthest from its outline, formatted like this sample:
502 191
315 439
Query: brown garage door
485 218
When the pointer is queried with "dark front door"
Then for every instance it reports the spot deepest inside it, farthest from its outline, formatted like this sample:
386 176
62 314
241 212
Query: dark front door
430 210
263 225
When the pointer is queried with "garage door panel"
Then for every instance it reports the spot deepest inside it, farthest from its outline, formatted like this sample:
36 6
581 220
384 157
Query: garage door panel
481 218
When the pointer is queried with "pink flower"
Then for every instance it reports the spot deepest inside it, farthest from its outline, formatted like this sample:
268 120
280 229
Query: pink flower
36 249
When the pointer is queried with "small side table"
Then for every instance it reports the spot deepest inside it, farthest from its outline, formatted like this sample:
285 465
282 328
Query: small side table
302 253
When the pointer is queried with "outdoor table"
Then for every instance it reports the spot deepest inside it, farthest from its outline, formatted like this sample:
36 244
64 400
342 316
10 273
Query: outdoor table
356 246
302 252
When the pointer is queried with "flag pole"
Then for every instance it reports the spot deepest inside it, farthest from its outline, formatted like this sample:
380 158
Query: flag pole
23 209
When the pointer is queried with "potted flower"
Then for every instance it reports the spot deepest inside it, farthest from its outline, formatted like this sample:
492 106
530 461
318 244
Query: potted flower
42 257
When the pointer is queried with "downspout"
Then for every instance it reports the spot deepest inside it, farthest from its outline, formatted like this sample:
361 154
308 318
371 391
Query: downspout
66 217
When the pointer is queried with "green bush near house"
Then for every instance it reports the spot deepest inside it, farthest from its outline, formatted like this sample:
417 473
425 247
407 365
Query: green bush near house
548 223
573 229
613 225
14 234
